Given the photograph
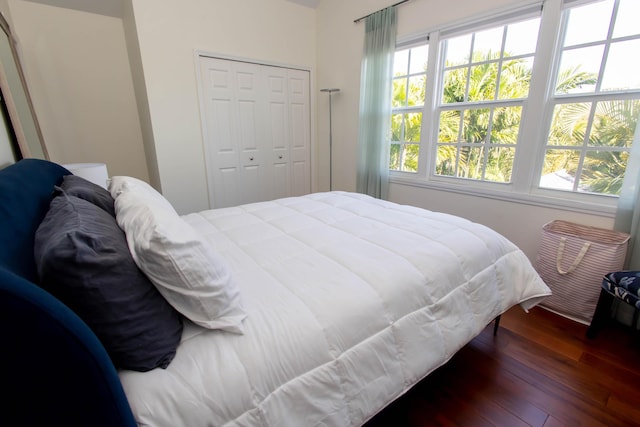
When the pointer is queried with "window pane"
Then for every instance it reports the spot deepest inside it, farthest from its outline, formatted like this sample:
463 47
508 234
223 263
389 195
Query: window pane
400 62
522 38
394 157
410 158
588 23
396 127
475 125
446 160
399 93
603 172
458 49
412 124
559 169
455 86
569 124
622 70
449 126
500 164
615 123
471 162
506 125
515 77
482 83
488 43
406 127
419 57
417 86
627 19
404 157
579 70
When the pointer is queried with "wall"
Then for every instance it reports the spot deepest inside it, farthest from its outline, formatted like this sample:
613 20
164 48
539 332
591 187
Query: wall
78 73
168 33
340 43
140 91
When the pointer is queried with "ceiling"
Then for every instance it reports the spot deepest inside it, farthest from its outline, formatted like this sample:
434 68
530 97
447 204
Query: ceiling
114 7
100 7
308 3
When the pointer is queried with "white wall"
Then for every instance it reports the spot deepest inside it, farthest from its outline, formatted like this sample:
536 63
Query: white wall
140 92
168 33
78 73
340 43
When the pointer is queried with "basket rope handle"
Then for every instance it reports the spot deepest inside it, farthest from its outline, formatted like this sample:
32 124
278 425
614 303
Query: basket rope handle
575 262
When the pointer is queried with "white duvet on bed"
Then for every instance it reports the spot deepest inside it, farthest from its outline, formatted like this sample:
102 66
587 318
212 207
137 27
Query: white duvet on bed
350 302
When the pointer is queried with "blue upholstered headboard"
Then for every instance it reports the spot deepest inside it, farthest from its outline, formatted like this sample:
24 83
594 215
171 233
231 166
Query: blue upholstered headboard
53 368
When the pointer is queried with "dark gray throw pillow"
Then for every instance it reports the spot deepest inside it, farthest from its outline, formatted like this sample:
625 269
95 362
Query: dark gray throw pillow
79 187
83 259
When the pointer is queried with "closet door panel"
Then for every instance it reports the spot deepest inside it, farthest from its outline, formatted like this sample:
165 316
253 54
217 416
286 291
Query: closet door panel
300 132
227 189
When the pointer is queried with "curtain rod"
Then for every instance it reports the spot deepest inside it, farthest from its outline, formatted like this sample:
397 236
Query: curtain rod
366 16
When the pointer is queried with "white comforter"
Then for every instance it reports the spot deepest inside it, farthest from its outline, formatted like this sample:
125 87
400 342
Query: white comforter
350 302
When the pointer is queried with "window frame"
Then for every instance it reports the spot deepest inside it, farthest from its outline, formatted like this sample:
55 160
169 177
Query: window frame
537 112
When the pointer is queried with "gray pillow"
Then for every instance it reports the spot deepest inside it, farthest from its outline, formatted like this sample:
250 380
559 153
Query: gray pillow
79 187
83 259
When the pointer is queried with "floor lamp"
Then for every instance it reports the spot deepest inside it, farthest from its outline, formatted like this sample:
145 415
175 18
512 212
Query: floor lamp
330 91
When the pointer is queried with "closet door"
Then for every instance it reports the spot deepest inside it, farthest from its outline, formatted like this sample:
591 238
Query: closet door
256 131
235 171
277 137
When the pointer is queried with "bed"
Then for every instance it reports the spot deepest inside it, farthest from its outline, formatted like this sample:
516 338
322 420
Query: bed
334 305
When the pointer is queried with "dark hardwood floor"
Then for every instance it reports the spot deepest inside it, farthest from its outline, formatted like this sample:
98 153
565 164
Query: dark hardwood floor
540 370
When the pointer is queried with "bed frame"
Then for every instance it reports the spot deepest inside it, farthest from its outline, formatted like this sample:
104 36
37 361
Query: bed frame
53 368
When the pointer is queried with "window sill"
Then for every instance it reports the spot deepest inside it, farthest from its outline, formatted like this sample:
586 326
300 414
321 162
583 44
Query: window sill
546 198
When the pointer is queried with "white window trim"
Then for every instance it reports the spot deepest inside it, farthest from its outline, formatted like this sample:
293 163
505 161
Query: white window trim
535 120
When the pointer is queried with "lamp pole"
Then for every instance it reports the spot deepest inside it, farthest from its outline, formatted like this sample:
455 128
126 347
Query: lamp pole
330 92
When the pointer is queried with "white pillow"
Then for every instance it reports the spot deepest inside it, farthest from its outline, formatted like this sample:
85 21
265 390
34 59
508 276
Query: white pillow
185 269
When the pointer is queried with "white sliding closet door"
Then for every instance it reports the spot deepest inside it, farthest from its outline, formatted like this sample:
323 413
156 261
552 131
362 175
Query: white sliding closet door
257 133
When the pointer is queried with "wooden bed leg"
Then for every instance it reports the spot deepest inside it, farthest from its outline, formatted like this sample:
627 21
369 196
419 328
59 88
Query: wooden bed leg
496 325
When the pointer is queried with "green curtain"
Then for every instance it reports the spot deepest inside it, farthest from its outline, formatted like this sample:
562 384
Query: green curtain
628 212
375 103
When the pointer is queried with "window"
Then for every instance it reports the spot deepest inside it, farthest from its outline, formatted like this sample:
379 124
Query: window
409 85
502 113
486 77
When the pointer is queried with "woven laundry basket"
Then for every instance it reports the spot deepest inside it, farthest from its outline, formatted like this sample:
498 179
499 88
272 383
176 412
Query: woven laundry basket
572 261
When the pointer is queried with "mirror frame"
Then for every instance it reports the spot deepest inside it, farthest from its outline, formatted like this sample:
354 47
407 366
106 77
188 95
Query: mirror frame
24 147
